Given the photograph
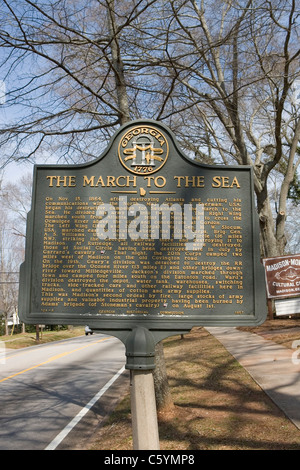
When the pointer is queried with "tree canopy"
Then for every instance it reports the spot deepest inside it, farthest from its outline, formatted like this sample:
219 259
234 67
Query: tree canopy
224 76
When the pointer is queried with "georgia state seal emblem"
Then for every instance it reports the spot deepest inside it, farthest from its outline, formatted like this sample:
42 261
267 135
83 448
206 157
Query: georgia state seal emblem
143 150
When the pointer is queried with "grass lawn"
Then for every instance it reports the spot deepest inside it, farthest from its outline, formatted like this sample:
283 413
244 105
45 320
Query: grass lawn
217 405
23 340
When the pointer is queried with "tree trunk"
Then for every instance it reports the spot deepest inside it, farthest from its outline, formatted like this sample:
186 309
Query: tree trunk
269 244
6 325
288 178
117 65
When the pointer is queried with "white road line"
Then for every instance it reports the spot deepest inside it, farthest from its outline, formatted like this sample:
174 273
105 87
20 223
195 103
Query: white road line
61 436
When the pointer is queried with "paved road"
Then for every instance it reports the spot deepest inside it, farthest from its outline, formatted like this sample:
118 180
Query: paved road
44 388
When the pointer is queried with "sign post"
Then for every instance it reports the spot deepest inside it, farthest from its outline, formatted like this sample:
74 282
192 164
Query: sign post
142 243
143 410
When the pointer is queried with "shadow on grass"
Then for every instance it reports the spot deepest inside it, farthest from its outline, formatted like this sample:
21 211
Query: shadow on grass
217 405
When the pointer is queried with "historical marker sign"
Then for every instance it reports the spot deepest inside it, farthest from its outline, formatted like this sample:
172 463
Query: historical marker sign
142 236
282 276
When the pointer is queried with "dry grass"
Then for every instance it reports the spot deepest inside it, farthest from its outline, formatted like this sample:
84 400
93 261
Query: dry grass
24 340
281 331
217 405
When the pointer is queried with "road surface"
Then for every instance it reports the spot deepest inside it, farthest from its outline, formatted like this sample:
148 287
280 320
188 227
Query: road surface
48 392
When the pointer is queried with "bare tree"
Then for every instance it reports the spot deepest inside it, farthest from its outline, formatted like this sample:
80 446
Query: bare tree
220 74
15 198
11 255
72 81
65 76
236 63
226 68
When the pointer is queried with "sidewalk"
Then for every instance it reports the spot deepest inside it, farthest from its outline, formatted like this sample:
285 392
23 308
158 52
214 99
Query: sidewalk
269 364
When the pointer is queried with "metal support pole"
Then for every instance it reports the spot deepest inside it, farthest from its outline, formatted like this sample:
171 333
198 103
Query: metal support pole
140 360
143 411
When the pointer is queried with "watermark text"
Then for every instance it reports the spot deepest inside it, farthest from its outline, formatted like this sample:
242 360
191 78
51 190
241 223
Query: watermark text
164 221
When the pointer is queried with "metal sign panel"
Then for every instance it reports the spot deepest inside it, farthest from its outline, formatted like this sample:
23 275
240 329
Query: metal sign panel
287 306
142 236
282 276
